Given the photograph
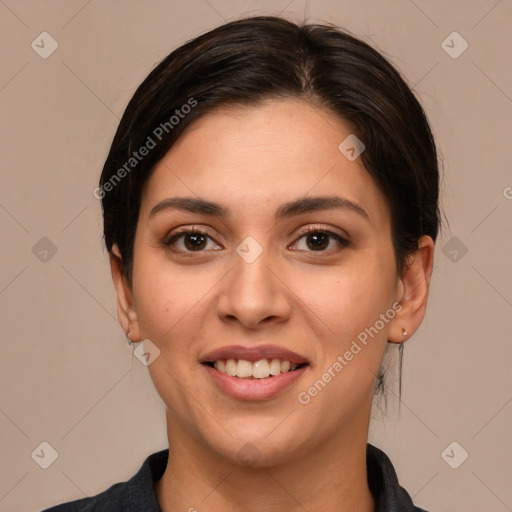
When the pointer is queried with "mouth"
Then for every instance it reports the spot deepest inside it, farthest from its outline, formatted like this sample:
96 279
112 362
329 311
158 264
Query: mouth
261 369
254 373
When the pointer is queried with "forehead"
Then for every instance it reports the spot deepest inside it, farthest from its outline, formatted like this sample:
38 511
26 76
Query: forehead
256 158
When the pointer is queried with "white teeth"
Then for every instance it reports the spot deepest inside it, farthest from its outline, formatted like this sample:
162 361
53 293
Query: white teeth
220 365
244 369
261 369
275 367
231 367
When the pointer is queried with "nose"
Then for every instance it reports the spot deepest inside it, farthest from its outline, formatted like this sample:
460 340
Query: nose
253 293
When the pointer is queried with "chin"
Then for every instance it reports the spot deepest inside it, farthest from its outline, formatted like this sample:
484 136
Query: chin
255 451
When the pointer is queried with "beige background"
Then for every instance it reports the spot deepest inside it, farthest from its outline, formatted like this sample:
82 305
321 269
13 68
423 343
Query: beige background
67 374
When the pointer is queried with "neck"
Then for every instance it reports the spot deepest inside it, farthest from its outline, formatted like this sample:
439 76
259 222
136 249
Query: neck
331 477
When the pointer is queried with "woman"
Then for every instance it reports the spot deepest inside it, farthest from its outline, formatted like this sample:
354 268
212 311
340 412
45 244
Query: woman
270 207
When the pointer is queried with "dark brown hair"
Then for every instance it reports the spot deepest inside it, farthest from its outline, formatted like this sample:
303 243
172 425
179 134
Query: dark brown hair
250 60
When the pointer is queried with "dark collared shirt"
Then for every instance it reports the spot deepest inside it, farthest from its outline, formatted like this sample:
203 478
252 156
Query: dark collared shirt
138 494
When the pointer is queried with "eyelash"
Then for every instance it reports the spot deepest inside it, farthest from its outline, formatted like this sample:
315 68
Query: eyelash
311 229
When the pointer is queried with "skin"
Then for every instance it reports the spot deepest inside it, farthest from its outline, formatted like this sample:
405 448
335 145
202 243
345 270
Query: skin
314 302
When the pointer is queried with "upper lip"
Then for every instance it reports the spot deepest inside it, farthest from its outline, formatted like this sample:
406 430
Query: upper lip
253 354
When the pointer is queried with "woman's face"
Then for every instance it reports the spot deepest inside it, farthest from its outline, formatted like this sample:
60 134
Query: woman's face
256 278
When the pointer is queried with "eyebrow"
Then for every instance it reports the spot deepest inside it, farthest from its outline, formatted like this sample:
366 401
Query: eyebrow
286 210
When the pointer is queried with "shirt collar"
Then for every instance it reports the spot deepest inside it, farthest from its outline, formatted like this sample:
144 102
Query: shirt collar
383 482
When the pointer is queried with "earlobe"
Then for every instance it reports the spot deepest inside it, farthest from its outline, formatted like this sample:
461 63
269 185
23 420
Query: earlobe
125 307
412 292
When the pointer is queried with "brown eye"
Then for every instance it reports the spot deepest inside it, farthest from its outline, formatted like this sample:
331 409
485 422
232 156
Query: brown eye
318 240
194 240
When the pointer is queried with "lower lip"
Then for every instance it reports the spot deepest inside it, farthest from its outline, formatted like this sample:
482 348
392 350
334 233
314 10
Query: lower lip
254 389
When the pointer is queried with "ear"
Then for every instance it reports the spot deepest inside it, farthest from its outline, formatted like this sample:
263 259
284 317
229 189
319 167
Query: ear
412 292
125 307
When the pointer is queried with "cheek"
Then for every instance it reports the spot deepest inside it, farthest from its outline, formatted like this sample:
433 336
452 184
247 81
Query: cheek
357 296
169 299
350 354
172 306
